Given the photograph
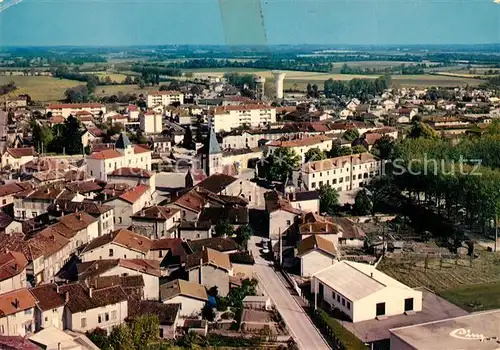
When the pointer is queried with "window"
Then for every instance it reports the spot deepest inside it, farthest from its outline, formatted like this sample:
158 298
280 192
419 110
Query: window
83 322
313 185
333 295
359 176
338 298
120 220
365 176
46 319
341 180
4 201
27 312
34 214
161 332
380 309
348 305
288 222
113 314
343 302
111 252
99 318
320 183
314 175
347 178
160 254
106 316
409 304
334 181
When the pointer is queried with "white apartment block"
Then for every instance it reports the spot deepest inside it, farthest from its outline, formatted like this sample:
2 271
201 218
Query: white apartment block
151 122
232 117
165 98
66 109
343 173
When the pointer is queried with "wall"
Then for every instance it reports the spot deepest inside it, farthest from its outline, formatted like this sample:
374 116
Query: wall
14 324
399 344
91 315
307 206
191 235
189 306
314 261
151 282
16 282
279 222
119 252
365 309
210 277
52 317
15 163
243 270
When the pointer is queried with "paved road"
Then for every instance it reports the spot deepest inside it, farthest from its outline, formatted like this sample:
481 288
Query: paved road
301 328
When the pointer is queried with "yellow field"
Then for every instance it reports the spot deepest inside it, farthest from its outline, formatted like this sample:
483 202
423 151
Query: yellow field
113 76
457 74
45 89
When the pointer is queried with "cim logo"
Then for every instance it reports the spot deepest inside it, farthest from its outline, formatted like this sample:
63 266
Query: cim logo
466 334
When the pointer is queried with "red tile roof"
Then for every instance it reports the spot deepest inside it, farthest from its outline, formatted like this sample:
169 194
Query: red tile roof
11 264
159 213
16 301
106 154
48 296
16 343
21 152
139 149
300 142
80 299
134 194
74 105
122 237
83 113
132 172
165 93
57 119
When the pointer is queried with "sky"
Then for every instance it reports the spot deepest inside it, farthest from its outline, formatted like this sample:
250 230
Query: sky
261 22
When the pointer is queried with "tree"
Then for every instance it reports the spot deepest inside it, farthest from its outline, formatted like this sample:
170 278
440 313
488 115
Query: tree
339 151
421 130
243 234
314 154
42 136
362 203
77 94
10 117
128 80
187 141
281 164
351 135
92 82
328 199
145 330
72 136
99 337
315 91
384 147
208 313
223 228
121 338
358 149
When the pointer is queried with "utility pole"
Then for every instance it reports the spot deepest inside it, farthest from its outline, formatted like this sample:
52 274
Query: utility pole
281 248
496 232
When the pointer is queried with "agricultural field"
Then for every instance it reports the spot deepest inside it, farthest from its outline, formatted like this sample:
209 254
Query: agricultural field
116 77
301 79
45 89
126 89
470 284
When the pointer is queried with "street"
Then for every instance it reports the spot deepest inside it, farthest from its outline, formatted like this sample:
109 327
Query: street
300 326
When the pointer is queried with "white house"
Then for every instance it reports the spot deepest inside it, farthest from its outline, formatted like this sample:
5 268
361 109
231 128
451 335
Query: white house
148 269
15 158
13 271
120 244
99 164
192 296
165 98
301 144
49 311
129 203
88 309
343 173
363 293
157 221
17 312
315 253
282 214
132 177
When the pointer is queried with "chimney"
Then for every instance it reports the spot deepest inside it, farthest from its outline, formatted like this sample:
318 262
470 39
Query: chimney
66 297
90 292
16 303
371 274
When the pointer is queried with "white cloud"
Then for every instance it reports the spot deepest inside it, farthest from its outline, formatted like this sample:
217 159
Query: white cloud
5 4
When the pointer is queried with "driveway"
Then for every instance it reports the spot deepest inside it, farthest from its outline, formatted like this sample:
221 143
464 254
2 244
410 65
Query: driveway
300 326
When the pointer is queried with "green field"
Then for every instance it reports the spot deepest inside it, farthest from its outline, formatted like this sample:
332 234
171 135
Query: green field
116 77
45 89
115 89
477 297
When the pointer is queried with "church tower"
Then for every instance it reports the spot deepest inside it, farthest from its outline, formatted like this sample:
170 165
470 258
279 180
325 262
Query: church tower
212 154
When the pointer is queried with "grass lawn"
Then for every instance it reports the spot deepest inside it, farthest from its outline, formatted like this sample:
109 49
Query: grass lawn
477 297
45 89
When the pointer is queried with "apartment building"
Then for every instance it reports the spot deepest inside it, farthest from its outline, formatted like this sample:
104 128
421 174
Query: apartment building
100 164
129 203
233 117
67 109
165 98
343 173
301 144
151 122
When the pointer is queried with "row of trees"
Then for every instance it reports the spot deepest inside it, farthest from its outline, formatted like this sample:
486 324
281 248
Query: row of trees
62 138
360 88
399 69
7 88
